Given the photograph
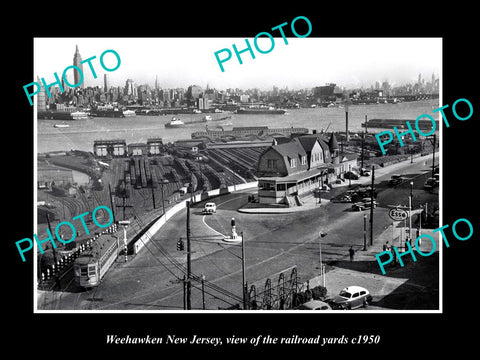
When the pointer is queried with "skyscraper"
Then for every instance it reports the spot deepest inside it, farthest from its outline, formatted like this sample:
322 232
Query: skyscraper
77 61
41 106
106 84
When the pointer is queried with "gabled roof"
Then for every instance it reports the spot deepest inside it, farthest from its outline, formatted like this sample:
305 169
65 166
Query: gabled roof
291 149
307 142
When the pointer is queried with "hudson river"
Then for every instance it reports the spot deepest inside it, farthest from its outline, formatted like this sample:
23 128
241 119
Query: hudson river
81 133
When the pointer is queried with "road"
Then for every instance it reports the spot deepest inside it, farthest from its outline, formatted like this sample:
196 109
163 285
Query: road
152 280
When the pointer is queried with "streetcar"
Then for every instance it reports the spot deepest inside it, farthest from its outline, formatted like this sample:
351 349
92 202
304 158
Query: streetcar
93 264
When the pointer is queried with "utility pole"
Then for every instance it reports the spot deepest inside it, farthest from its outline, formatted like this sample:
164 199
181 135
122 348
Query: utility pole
244 288
410 201
371 205
347 138
111 202
53 248
363 145
184 293
153 197
189 270
434 144
364 232
203 292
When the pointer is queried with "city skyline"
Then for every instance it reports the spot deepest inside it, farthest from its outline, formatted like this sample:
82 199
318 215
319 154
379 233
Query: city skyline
350 62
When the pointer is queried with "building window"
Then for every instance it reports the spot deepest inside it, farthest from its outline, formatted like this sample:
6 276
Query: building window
293 163
271 163
304 160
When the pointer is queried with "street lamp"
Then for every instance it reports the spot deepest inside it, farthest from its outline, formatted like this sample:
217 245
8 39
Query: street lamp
322 268
163 182
125 224
364 232
203 292
410 200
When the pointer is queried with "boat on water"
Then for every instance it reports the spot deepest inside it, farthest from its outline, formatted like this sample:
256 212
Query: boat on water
113 113
79 115
207 118
175 123
62 115
400 123
61 126
260 111
127 113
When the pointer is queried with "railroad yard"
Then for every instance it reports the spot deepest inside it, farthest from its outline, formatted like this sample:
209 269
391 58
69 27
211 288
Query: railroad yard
137 183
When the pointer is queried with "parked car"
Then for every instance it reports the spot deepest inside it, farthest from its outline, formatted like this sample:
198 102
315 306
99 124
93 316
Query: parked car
314 305
430 184
351 175
366 203
210 208
345 198
352 297
366 191
364 172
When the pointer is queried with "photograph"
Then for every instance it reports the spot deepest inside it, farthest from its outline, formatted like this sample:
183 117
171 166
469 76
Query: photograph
290 189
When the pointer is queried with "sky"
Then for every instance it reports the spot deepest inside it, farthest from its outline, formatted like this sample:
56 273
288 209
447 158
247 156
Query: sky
302 63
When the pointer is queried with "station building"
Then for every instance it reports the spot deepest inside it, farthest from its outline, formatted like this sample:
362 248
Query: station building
289 170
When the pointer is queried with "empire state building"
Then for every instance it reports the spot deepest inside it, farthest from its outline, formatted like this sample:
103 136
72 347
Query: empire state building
77 61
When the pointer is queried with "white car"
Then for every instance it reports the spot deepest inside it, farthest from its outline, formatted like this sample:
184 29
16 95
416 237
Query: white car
352 297
315 305
210 208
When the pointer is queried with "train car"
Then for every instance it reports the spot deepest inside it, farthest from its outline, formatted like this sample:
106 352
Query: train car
148 172
138 181
133 178
90 267
143 175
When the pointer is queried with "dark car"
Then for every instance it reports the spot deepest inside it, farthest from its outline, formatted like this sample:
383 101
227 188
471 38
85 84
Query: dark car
351 297
351 175
364 204
396 179
430 184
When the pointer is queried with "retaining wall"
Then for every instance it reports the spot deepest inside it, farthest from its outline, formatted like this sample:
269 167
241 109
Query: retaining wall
145 238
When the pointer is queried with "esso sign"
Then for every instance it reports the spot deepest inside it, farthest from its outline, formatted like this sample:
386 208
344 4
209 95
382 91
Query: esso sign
397 214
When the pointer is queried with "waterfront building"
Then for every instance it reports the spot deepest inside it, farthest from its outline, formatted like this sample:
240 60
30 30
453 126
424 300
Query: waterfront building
260 131
137 149
77 61
115 147
154 145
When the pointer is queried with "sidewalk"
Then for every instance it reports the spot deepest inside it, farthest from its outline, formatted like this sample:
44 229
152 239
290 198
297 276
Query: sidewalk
411 287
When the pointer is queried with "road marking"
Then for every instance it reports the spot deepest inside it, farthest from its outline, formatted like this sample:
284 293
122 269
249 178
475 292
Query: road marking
226 201
203 220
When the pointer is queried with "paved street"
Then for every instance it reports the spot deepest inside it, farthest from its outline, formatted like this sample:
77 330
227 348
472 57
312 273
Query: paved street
152 280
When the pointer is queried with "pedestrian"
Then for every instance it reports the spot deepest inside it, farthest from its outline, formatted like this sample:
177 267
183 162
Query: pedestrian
386 247
351 252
